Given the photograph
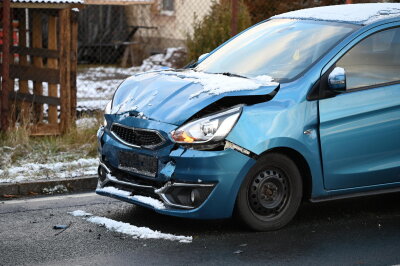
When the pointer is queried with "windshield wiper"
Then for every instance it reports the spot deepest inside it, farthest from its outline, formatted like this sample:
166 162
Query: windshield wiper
229 74
191 64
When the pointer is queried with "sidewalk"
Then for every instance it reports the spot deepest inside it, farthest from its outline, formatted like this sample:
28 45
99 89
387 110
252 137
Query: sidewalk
55 186
31 179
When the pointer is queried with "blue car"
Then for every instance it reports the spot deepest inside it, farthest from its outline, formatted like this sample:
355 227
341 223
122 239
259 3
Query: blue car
302 106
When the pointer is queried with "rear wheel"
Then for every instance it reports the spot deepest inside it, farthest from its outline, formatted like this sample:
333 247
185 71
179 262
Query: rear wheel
270 194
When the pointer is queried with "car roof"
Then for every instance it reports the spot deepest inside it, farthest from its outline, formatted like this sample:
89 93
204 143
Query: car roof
361 14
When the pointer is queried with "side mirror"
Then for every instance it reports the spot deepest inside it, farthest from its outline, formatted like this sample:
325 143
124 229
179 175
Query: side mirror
202 56
337 79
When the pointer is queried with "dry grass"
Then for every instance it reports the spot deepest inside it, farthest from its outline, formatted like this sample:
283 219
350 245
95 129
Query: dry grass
18 148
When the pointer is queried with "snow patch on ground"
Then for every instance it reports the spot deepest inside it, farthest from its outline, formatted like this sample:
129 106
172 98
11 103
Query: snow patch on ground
80 213
56 189
155 203
128 229
37 171
354 13
90 105
86 122
136 232
162 61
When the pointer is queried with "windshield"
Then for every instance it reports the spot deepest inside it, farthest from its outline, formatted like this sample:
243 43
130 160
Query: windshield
280 48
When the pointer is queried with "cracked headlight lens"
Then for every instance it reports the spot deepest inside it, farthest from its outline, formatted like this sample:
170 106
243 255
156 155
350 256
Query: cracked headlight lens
210 129
107 111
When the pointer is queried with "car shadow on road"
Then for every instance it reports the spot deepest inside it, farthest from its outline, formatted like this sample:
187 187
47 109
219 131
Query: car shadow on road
350 212
140 216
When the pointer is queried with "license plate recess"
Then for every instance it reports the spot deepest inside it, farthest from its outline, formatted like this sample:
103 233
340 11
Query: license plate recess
138 163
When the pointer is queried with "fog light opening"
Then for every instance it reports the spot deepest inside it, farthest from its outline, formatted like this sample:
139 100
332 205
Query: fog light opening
194 197
102 173
187 195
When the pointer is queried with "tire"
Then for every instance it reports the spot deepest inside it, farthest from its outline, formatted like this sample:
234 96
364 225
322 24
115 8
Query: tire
270 194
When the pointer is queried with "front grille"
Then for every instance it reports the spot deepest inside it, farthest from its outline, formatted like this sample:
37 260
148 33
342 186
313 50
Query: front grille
137 137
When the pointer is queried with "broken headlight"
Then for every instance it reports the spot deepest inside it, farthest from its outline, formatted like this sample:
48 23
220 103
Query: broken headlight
207 130
107 111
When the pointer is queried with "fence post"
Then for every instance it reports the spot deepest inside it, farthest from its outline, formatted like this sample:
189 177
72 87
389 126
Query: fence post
234 19
37 42
65 68
23 61
52 63
5 72
74 62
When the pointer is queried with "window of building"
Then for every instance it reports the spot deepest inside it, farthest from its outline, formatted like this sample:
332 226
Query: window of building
168 6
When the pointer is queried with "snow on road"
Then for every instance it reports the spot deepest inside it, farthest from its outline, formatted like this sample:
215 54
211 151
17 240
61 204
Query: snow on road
128 229
80 213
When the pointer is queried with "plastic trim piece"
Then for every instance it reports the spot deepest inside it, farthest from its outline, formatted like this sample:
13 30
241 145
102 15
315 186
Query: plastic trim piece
138 129
159 191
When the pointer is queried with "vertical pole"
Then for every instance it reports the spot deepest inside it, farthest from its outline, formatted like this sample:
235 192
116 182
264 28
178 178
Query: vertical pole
5 72
23 60
37 38
234 18
65 68
52 63
74 63
12 107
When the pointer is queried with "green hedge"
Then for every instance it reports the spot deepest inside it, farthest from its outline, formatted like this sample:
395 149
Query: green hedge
215 28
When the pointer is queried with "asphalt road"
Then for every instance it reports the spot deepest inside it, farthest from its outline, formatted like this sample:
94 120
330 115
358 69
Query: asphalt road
351 232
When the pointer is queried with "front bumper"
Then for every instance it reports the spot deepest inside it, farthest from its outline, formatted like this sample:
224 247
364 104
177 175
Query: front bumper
216 174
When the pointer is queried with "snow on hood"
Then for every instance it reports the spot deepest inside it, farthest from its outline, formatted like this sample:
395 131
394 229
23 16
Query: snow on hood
173 96
216 84
362 14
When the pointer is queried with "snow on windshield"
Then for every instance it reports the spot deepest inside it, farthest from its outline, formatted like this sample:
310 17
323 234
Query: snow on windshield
355 13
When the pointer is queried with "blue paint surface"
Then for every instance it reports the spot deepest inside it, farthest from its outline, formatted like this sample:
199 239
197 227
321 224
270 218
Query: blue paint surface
350 142
168 170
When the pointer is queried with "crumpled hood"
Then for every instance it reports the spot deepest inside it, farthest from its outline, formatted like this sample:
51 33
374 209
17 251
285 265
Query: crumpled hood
173 97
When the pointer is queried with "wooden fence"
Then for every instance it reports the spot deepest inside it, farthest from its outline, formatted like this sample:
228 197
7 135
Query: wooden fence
41 88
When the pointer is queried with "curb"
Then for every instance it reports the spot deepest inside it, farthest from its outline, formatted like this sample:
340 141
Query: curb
72 185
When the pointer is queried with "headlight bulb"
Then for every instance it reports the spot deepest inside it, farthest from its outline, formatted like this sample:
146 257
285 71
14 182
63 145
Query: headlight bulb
209 129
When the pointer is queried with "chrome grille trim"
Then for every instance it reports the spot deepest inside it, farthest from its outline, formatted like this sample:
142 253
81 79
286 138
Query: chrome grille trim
138 129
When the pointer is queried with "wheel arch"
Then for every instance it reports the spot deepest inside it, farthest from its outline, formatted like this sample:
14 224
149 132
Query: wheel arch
301 164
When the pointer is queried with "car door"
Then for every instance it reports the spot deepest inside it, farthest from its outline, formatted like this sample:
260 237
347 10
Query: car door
360 127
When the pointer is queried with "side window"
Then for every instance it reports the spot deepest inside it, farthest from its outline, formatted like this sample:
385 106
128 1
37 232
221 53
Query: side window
375 60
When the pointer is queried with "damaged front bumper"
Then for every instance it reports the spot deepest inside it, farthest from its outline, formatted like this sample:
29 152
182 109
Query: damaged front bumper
187 183
172 194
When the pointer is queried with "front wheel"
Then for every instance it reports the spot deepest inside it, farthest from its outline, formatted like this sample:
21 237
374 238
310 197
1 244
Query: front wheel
270 194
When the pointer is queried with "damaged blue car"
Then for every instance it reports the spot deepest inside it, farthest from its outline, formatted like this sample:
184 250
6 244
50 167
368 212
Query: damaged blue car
302 106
